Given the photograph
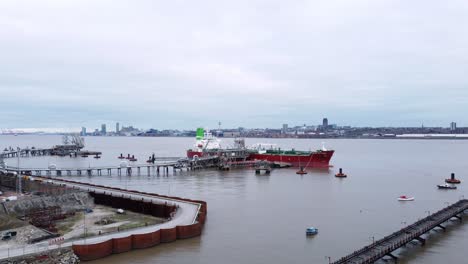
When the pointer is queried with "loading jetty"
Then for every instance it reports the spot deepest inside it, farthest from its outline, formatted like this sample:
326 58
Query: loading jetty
385 246
128 169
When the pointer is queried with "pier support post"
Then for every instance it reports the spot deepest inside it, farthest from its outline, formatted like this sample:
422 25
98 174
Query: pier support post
149 172
109 172
138 170
393 257
458 217
422 240
441 226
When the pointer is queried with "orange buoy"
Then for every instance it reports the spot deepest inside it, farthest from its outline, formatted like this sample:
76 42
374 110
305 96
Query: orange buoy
301 171
341 174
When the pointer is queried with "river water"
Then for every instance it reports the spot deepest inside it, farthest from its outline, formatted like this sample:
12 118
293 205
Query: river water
262 219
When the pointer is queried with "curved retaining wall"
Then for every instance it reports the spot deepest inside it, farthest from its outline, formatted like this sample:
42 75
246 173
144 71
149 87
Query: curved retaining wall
138 241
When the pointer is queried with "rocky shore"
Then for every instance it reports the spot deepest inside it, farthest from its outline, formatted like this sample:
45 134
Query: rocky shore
58 256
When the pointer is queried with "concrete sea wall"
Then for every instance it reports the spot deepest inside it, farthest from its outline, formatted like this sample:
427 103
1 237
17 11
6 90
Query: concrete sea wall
145 240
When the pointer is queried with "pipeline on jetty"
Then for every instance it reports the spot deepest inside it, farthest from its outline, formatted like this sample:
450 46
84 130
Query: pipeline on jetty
388 244
127 169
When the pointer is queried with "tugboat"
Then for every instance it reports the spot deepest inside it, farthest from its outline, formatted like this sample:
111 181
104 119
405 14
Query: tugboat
311 231
132 158
121 156
452 179
446 186
97 156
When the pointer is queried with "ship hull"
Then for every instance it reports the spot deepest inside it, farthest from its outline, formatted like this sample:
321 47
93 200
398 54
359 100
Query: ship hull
192 154
320 159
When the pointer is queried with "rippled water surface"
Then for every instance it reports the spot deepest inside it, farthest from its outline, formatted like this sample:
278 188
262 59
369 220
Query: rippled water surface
262 219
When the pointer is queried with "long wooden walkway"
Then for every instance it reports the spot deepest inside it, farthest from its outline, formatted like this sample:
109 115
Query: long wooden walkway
388 244
128 169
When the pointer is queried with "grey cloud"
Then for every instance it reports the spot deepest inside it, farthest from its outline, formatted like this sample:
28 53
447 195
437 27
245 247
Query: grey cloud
246 63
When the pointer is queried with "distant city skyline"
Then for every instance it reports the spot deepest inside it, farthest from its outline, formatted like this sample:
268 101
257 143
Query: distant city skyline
102 128
246 63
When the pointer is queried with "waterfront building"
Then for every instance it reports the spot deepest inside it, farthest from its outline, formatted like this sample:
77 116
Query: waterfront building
325 123
103 129
117 128
453 127
83 131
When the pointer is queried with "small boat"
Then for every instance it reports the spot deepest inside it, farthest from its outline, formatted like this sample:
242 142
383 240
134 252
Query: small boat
121 156
405 198
132 159
311 231
97 157
446 186
84 156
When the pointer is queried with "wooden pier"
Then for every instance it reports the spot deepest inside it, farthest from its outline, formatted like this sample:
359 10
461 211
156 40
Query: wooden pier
390 243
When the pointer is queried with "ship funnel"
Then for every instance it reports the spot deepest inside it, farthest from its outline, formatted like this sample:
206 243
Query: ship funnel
323 146
200 133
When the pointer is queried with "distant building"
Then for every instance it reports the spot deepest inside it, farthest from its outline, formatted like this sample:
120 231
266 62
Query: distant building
83 131
103 129
129 131
453 126
231 134
117 128
325 123
285 128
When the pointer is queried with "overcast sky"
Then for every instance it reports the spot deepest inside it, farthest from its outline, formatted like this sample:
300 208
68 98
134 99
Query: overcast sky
182 64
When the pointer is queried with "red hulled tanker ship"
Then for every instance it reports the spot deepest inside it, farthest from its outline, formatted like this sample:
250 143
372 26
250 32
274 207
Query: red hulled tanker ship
208 145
